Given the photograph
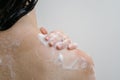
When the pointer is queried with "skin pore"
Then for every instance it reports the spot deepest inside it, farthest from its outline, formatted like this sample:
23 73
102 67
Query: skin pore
24 57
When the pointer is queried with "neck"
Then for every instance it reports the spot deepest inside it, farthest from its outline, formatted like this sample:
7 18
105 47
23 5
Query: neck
27 20
12 37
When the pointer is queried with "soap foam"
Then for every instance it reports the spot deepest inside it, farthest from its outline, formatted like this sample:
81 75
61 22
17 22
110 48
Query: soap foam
69 61
42 39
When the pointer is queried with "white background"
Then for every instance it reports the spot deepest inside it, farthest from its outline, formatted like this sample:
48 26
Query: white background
93 24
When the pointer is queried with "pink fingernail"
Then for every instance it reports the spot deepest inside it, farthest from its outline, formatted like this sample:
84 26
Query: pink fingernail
51 43
59 47
70 46
47 38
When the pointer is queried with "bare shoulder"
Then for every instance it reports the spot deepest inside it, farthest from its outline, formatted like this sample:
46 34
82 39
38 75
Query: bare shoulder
86 65
83 54
85 58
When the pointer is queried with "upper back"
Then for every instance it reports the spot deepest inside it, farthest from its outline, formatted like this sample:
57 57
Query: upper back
27 58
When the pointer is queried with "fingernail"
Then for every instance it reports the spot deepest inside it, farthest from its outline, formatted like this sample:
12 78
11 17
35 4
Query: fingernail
46 38
43 30
59 47
70 47
51 44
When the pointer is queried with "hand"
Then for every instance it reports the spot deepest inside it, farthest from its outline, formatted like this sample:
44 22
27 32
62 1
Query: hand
58 39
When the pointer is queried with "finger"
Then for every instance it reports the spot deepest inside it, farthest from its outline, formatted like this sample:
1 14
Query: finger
52 42
48 36
54 39
59 46
56 34
43 30
72 46
64 44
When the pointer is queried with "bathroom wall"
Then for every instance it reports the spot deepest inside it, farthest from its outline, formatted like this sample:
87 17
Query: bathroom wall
93 24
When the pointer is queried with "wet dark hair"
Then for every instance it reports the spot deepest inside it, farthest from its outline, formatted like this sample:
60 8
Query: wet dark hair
12 10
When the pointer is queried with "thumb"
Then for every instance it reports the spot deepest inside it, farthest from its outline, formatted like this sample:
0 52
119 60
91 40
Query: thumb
43 30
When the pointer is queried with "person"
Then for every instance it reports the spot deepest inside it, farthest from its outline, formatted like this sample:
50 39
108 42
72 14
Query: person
24 54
